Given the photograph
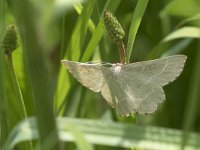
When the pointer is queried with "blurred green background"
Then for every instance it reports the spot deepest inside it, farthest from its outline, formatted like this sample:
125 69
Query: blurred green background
62 114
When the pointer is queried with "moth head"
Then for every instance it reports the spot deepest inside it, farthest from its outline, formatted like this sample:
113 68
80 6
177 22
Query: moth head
116 68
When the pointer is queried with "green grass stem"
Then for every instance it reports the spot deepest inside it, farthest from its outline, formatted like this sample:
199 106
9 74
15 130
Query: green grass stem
16 85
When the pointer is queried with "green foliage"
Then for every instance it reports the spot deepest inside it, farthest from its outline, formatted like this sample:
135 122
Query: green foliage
84 131
135 23
74 29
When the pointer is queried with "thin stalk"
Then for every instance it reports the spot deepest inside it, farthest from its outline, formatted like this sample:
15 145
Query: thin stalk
18 91
16 85
3 100
63 38
122 52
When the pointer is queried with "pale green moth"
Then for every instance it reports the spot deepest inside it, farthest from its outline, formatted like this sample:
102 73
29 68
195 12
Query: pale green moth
134 87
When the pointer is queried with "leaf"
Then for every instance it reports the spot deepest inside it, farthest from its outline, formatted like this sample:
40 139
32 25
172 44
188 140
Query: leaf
91 24
185 8
79 32
135 23
178 47
73 52
107 133
3 98
192 103
61 6
191 19
185 32
36 65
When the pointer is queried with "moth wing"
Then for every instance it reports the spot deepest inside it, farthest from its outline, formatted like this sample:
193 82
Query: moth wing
139 85
91 76
159 71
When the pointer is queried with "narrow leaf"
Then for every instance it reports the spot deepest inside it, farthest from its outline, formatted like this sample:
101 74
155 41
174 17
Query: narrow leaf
109 134
135 23
185 32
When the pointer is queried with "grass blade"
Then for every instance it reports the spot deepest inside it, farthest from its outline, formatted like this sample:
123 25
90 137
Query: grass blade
191 110
3 100
61 6
73 52
78 35
98 33
178 48
185 32
135 23
36 67
108 133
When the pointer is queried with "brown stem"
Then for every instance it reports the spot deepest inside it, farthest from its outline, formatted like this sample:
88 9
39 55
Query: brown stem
122 52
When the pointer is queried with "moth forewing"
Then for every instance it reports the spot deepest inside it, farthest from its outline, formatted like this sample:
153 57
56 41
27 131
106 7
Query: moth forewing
87 74
92 76
159 71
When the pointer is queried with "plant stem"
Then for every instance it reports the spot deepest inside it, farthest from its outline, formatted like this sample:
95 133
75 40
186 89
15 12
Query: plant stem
16 86
122 52
18 91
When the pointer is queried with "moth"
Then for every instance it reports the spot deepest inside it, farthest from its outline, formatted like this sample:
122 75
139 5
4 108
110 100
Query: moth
134 87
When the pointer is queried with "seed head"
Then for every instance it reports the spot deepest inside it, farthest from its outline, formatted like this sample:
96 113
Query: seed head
9 42
113 27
